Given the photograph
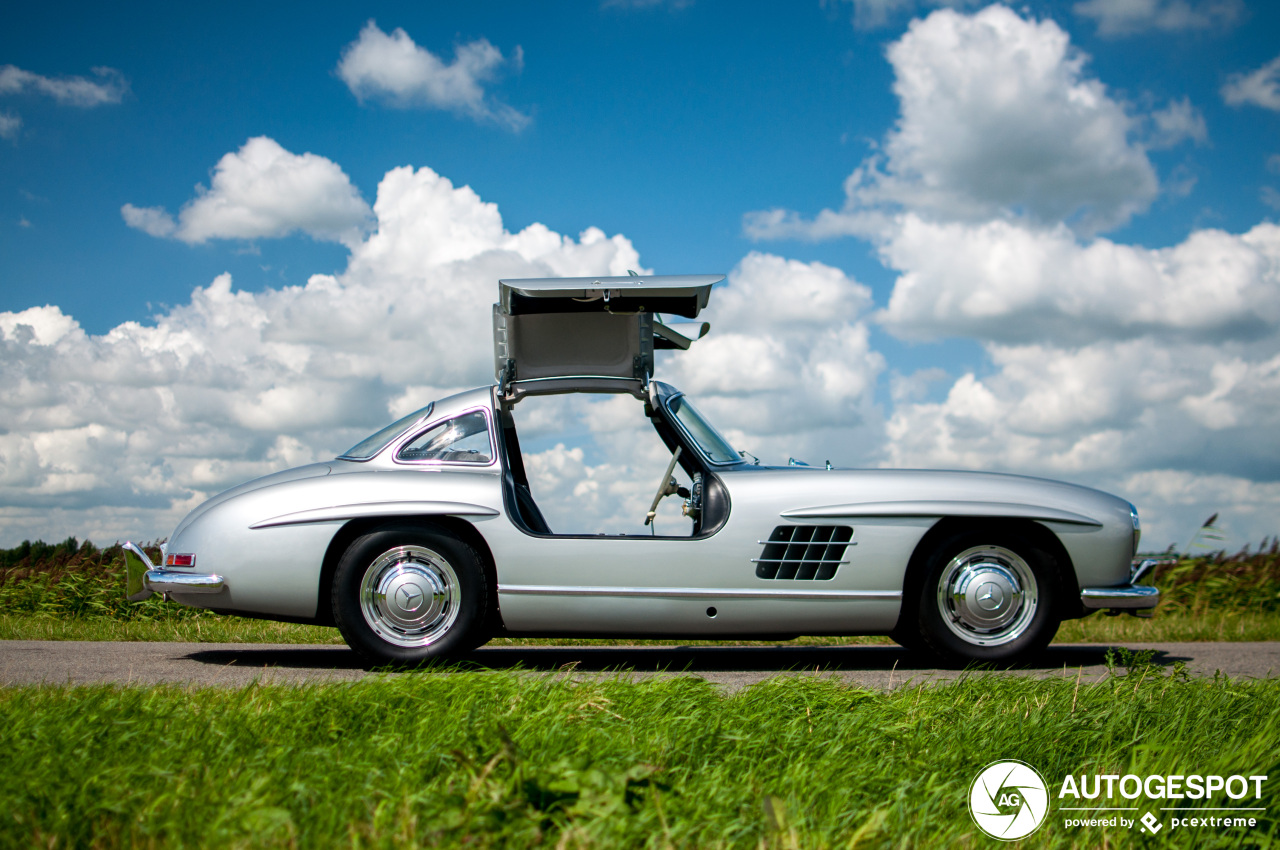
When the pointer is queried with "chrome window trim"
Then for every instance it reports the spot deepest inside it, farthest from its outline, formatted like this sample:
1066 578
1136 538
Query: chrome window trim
414 433
430 408
702 453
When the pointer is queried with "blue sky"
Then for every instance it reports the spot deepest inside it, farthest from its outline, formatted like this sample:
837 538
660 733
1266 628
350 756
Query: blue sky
678 128
663 124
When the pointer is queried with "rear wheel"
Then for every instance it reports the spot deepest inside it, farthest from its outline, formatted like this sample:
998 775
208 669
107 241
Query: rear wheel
987 596
405 594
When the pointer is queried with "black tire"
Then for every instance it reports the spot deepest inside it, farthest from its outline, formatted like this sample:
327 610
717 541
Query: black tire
909 637
406 594
989 596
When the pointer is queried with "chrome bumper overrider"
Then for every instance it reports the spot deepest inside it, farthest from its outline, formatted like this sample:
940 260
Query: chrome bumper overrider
1134 598
1127 596
142 578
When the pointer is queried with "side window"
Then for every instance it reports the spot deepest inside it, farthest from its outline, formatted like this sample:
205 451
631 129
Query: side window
461 440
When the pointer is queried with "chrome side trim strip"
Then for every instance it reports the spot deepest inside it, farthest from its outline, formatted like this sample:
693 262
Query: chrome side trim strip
169 581
930 508
1128 596
368 509
698 592
806 543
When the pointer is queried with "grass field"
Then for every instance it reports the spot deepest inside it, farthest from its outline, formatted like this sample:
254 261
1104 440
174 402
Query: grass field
75 591
494 759
477 758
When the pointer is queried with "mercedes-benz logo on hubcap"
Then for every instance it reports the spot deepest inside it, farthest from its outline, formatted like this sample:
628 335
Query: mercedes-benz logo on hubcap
990 596
409 597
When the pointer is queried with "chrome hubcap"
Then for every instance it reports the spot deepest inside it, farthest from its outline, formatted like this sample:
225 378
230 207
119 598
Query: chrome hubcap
409 596
988 595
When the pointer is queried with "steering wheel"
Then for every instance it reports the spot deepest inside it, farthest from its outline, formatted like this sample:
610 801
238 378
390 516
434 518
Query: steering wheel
666 487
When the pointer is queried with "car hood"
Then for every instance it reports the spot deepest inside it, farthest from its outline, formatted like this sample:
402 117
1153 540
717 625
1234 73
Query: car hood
811 492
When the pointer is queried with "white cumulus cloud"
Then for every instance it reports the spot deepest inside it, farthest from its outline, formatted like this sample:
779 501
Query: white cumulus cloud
153 221
397 71
788 360
1113 365
1007 283
263 191
1111 414
998 119
1153 373
119 434
1147 372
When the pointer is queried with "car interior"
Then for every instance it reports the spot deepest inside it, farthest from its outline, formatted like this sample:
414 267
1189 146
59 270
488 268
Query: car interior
686 477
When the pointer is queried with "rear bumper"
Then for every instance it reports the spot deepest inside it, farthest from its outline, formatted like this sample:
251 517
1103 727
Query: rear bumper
142 578
1126 597
1132 597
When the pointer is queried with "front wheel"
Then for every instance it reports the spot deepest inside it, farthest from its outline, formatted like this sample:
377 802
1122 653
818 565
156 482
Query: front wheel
987 597
403 595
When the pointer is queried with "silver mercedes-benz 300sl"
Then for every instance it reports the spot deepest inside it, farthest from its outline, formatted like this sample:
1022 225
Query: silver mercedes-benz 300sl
425 540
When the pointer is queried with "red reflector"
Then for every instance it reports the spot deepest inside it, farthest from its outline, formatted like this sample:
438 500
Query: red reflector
180 561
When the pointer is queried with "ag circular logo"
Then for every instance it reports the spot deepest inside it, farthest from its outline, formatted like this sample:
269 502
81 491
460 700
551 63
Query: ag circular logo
1008 800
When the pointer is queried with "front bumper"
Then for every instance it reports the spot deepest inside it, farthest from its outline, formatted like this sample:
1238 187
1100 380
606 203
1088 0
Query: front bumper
1133 598
142 578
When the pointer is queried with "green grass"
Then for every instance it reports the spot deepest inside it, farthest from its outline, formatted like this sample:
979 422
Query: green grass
206 629
75 591
510 759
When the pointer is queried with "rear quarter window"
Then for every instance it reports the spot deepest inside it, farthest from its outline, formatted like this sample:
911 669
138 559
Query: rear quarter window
463 439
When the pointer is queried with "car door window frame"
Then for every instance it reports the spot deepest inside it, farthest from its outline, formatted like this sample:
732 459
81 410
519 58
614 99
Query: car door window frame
671 436
437 462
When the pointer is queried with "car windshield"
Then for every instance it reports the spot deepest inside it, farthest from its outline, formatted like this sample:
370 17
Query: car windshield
713 445
374 443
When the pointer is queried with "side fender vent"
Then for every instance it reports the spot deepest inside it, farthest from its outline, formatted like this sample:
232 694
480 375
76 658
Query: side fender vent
803 552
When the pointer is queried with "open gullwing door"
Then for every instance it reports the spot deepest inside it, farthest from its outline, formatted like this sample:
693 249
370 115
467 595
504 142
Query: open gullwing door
585 334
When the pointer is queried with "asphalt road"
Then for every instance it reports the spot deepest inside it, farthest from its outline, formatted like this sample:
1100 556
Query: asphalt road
231 664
